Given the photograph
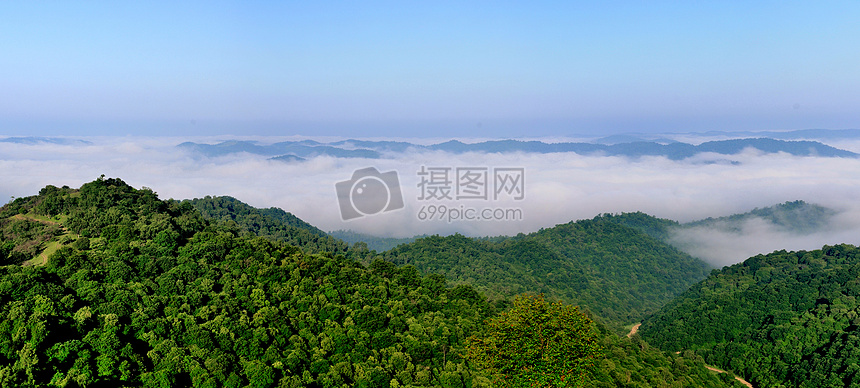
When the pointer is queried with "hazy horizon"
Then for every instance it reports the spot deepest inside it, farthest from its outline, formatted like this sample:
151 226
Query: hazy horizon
559 187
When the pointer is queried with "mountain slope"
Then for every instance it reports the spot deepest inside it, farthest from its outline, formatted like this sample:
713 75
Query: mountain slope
144 292
619 273
783 319
272 223
157 296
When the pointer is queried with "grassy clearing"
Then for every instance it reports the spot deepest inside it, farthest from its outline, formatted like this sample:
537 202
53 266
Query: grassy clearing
42 258
55 220
52 245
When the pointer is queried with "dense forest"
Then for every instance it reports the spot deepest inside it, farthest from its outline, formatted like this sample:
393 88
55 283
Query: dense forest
271 223
618 272
107 285
574 262
784 319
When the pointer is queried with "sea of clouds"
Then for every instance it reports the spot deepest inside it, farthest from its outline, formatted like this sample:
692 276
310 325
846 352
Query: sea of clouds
558 187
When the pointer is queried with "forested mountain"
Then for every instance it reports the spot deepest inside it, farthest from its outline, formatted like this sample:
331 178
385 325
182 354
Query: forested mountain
618 272
786 319
796 216
144 292
379 244
659 228
272 223
632 362
136 291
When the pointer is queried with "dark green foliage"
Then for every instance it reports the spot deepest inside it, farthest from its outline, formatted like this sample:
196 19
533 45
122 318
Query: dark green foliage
113 210
272 223
615 271
658 228
635 364
257 220
783 319
143 292
159 297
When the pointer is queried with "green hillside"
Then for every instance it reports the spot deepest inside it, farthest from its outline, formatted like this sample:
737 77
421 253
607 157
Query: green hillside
783 319
151 294
139 292
618 272
271 223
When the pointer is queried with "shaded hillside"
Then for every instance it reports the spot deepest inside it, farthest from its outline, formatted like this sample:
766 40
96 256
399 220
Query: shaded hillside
619 273
658 228
272 223
782 319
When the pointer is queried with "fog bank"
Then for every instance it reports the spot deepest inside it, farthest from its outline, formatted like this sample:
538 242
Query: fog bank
558 188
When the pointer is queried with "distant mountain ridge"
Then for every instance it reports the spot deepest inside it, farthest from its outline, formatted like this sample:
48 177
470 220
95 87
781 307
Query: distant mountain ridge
794 216
30 140
295 150
800 134
379 244
300 149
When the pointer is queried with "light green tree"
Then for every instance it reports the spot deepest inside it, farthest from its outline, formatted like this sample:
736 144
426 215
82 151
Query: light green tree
537 344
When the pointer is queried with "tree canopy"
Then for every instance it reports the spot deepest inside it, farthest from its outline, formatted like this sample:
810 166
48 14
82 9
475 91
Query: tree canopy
782 319
136 291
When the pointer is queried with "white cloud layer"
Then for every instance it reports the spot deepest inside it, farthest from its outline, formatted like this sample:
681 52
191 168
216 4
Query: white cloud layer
558 187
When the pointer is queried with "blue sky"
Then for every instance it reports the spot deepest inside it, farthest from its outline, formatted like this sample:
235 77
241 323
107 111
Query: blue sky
482 69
